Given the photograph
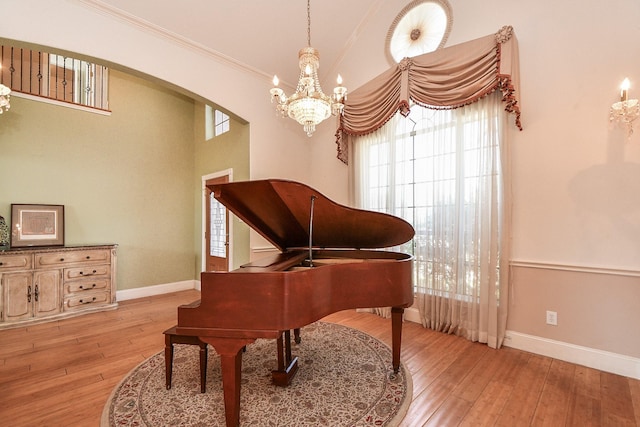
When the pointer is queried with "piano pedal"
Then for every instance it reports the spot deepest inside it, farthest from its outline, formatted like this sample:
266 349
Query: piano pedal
283 378
287 364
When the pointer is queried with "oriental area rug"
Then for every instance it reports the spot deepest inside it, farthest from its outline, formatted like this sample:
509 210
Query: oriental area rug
344 379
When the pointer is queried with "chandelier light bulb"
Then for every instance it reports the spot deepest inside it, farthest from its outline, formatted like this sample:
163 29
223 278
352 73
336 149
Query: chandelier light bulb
276 81
624 89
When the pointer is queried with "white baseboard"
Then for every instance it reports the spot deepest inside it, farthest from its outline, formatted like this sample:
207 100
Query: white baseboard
148 291
412 314
585 356
597 359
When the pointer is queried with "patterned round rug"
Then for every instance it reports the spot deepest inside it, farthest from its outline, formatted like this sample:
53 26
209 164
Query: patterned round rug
344 379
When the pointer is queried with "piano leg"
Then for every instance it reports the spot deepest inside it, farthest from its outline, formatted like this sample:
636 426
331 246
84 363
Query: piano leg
230 351
287 345
396 336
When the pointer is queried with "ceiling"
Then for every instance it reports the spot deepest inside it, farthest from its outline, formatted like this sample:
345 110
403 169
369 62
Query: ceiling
263 35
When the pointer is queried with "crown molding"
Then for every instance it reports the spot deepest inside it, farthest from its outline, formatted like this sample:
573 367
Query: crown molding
157 31
355 35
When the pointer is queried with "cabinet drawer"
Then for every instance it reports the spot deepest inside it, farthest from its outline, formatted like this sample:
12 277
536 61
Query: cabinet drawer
72 257
13 262
87 271
83 301
80 286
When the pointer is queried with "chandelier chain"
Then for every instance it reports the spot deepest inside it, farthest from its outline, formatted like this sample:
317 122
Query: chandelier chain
309 23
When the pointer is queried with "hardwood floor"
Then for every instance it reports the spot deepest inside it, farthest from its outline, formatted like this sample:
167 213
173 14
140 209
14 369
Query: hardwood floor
61 373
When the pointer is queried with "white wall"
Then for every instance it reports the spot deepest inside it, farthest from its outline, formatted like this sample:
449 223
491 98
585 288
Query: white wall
576 179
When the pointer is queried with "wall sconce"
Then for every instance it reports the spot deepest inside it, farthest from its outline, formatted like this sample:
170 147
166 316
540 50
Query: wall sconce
625 111
5 98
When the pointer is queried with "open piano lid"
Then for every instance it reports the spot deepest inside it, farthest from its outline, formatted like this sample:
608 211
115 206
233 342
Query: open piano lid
280 211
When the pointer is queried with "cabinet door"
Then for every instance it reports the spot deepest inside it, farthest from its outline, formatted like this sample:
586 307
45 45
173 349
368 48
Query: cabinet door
47 292
18 295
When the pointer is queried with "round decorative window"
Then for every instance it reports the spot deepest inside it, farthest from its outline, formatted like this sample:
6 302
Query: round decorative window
421 27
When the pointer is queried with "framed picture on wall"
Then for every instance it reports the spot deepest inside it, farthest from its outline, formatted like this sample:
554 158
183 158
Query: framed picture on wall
37 225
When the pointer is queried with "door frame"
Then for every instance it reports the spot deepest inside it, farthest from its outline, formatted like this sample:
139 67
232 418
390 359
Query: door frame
203 245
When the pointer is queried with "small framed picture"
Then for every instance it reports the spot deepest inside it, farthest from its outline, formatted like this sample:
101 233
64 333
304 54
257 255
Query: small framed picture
37 225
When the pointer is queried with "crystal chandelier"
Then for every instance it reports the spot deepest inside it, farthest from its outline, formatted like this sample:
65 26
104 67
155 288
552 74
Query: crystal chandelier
5 95
309 105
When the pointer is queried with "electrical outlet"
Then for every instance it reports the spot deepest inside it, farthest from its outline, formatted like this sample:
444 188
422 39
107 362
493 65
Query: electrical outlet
552 318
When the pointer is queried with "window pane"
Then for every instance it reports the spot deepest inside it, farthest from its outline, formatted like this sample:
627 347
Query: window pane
208 122
439 172
221 123
218 230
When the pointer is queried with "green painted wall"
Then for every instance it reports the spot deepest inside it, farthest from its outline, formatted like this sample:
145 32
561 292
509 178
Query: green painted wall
131 178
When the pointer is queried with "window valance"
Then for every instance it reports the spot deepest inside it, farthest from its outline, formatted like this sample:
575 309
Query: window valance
447 78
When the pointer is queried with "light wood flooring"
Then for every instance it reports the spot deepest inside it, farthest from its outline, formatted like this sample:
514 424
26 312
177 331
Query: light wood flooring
61 373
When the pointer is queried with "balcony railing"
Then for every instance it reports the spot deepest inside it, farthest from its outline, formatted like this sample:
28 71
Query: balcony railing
56 77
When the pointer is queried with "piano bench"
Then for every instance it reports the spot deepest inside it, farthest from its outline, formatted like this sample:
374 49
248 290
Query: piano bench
171 338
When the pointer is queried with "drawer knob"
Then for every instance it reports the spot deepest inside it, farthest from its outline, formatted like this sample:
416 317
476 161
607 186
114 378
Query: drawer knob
88 257
61 259
1 263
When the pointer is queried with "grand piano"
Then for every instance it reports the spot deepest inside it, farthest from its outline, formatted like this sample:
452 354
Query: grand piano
326 263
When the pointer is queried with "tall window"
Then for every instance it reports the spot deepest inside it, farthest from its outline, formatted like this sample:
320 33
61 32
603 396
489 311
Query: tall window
442 171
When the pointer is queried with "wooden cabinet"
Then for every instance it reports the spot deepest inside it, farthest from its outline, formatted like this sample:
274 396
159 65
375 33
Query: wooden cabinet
50 283
31 294
46 293
17 296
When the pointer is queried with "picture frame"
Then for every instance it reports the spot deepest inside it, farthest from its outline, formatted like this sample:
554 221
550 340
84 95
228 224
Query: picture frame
37 225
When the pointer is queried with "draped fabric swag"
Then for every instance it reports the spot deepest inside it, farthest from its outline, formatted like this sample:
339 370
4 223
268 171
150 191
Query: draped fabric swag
447 78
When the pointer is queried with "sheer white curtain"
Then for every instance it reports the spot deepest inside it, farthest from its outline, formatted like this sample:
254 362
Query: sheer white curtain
446 172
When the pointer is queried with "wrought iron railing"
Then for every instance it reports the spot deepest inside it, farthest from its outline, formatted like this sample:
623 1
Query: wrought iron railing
56 77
